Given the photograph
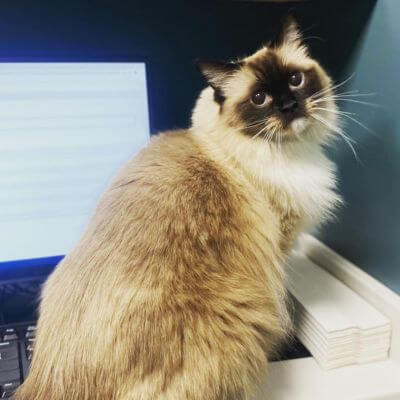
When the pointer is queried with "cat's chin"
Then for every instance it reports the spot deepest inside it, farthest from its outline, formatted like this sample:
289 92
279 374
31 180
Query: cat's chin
295 130
298 125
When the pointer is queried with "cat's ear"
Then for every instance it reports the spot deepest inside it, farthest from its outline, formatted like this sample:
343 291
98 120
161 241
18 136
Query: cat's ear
216 72
289 32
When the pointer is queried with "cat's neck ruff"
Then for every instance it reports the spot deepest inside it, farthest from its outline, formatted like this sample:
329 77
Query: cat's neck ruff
299 169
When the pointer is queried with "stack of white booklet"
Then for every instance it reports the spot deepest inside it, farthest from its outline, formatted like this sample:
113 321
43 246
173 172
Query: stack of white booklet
336 325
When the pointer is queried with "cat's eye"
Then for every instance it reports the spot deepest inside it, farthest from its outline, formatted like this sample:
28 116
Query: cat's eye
260 98
296 79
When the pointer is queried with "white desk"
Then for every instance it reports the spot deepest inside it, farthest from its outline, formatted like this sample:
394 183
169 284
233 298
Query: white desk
304 379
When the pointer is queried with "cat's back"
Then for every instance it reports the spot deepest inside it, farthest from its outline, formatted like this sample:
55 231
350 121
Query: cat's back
171 179
173 163
167 254
164 208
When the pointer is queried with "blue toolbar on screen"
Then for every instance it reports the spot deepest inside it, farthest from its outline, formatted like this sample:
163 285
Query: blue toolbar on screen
65 130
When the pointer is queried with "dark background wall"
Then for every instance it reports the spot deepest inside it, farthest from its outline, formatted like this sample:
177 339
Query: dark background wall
170 34
368 228
352 35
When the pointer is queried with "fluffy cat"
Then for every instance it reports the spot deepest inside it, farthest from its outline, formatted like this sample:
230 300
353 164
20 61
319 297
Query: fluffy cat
175 291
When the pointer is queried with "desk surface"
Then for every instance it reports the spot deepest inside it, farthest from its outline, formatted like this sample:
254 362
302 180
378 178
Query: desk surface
303 379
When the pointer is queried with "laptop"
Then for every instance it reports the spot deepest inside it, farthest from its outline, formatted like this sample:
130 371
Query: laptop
65 130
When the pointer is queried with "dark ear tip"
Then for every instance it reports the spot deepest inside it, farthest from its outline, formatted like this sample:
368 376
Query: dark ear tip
291 18
202 64
196 61
289 27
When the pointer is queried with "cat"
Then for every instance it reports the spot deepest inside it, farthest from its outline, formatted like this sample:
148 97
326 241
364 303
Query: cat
176 289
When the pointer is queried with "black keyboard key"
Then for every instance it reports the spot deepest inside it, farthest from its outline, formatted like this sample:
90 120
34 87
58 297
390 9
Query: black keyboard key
15 356
29 346
9 352
7 389
10 334
9 365
9 376
10 337
30 334
29 351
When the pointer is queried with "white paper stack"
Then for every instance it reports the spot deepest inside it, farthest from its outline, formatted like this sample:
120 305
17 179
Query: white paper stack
336 325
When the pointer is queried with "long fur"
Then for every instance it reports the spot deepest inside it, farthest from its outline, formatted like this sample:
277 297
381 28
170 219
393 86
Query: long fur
175 291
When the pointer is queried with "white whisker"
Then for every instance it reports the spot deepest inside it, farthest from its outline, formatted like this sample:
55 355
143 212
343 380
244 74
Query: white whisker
334 87
347 115
323 99
313 37
339 131
259 132
354 94
259 122
340 112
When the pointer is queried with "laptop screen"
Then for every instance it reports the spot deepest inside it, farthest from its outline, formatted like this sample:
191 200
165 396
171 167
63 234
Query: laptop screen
65 130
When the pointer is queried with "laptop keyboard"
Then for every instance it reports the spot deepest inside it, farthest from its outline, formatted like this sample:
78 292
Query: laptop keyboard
16 347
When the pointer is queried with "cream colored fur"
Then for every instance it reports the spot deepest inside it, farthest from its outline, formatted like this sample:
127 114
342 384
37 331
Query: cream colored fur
176 289
300 170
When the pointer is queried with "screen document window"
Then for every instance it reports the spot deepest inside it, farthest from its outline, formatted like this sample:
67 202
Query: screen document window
65 130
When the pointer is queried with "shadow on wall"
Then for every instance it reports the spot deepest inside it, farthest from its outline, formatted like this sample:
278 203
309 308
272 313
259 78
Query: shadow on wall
368 227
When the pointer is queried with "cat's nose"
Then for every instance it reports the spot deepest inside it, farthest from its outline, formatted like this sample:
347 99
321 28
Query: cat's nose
288 106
